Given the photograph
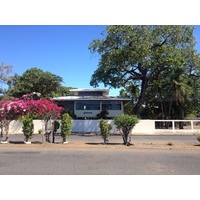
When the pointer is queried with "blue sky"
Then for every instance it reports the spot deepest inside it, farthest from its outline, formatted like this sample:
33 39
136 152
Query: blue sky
60 49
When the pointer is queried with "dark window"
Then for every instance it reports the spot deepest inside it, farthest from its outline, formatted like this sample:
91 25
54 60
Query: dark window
111 106
88 106
69 106
66 105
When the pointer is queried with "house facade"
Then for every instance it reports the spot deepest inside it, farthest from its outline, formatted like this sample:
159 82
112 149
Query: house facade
88 103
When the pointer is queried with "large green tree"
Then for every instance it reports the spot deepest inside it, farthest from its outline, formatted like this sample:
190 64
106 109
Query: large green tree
141 54
34 80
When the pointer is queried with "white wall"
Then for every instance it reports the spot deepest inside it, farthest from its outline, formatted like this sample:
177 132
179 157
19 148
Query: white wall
144 127
93 113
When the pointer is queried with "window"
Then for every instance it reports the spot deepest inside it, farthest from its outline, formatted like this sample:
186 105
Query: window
111 106
88 106
69 106
66 105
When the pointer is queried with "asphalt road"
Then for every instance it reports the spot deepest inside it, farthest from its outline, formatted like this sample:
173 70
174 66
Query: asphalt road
39 160
99 162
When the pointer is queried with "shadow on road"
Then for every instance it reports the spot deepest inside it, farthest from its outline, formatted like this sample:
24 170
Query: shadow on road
22 142
100 143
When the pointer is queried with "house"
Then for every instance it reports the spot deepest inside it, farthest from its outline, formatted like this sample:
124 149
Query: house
88 103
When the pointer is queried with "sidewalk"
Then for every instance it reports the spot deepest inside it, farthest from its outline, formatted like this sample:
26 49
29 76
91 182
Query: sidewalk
92 141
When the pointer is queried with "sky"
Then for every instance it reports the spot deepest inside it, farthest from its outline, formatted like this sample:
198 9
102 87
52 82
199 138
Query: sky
59 49
54 35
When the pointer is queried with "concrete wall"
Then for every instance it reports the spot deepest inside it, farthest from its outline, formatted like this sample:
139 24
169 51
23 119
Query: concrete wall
144 127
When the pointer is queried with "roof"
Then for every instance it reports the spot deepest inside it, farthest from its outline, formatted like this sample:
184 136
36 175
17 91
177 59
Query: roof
79 98
104 91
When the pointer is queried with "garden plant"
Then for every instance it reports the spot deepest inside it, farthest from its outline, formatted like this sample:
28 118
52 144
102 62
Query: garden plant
27 127
125 124
66 126
105 127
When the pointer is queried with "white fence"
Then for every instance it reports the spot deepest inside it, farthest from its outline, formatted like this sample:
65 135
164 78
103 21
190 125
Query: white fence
144 127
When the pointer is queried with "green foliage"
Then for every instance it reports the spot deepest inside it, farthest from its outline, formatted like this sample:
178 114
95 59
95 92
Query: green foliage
198 138
34 80
104 129
66 126
103 114
125 124
160 60
71 114
56 126
27 127
64 91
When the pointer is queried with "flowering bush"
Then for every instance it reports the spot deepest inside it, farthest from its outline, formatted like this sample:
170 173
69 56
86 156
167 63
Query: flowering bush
18 108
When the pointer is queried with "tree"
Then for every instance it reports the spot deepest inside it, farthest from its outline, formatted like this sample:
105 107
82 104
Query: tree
130 91
18 108
34 80
64 91
125 124
10 110
140 54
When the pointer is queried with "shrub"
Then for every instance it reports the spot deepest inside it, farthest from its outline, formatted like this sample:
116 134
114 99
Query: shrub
125 124
103 114
104 129
66 126
56 126
27 127
198 138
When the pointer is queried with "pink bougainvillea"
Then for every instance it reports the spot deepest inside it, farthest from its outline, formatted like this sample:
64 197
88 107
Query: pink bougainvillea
15 108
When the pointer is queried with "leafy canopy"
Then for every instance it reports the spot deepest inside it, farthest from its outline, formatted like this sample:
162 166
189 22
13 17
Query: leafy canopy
140 54
35 80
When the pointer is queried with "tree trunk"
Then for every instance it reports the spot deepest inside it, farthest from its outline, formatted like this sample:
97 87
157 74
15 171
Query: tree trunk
51 132
7 130
141 98
126 139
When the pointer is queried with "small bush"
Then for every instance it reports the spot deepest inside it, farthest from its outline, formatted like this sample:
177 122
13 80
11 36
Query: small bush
56 126
27 127
198 138
66 126
104 129
125 124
